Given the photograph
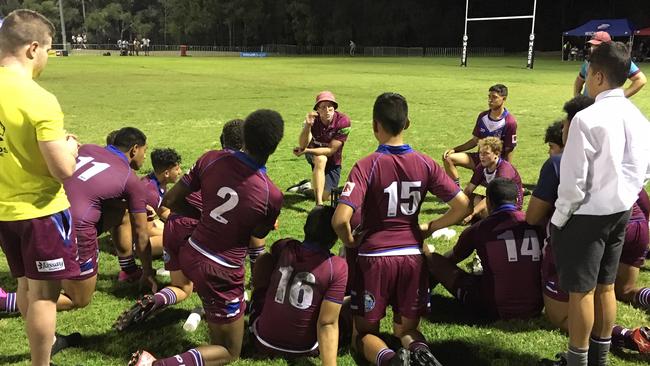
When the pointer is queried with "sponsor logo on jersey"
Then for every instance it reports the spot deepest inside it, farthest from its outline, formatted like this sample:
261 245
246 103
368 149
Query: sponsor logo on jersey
347 189
53 265
368 301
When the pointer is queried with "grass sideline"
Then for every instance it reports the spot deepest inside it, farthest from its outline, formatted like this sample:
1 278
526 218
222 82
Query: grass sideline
184 102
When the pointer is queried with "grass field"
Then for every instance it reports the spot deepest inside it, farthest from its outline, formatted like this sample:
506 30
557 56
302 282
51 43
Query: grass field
183 103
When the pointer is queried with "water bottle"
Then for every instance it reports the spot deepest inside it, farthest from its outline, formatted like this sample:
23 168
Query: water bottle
193 320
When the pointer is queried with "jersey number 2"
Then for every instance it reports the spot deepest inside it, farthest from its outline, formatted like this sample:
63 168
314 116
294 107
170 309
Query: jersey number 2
232 201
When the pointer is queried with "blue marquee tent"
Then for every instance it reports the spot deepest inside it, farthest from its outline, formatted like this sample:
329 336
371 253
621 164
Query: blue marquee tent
615 27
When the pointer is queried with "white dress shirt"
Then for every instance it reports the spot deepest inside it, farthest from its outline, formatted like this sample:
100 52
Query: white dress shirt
605 161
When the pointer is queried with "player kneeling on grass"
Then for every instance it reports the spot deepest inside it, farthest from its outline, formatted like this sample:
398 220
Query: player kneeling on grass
540 210
388 186
298 291
495 122
178 228
491 166
509 249
166 170
236 206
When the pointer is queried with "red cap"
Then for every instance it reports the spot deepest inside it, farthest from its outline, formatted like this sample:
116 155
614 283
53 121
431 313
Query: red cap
600 37
326 96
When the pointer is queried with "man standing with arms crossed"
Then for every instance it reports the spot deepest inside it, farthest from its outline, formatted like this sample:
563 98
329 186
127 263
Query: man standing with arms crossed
36 155
604 164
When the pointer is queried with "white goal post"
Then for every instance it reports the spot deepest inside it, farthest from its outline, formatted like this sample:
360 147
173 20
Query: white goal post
531 38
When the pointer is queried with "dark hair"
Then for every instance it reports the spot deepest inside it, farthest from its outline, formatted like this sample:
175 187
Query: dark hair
554 134
318 227
162 159
110 138
500 89
231 135
391 111
613 60
576 104
128 137
263 130
501 191
22 27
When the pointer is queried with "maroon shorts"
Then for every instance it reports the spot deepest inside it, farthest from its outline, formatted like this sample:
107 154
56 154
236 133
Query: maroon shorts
44 248
266 350
635 246
550 280
351 255
221 289
468 289
88 254
399 281
176 231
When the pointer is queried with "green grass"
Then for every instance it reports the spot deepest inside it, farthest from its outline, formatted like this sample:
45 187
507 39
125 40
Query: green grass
183 103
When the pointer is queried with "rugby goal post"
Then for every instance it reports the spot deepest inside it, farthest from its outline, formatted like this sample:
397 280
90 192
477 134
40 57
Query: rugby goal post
531 37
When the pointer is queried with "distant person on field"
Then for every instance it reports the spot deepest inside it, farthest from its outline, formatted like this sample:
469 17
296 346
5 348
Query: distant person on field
321 140
635 75
36 156
495 122
353 47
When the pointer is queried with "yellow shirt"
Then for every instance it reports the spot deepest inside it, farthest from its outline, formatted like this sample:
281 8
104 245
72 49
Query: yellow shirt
28 113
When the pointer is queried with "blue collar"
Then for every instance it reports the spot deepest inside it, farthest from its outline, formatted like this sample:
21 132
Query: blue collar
496 168
507 207
313 247
394 150
246 159
152 176
117 152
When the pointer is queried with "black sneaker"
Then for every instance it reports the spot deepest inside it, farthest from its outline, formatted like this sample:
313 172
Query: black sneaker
402 358
424 357
62 342
559 361
142 309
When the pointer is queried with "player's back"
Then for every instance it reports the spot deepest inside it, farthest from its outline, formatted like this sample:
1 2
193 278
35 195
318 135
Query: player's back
304 275
511 256
237 197
389 185
102 173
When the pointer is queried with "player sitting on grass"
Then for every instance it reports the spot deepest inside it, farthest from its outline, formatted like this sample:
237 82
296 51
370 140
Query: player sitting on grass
166 170
321 140
540 210
389 186
509 249
178 228
298 290
105 173
236 206
496 122
491 166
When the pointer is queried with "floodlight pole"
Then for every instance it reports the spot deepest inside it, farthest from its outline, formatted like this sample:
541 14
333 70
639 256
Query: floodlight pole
65 38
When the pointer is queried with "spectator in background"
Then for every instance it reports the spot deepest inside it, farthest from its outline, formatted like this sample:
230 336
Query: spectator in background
353 48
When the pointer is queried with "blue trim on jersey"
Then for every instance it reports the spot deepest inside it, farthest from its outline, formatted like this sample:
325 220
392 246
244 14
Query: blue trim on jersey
153 177
394 249
63 222
506 207
246 159
485 170
117 152
348 203
394 150
503 115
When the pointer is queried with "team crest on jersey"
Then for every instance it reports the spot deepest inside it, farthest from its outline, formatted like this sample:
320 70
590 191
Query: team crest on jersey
347 189
514 139
368 301
166 256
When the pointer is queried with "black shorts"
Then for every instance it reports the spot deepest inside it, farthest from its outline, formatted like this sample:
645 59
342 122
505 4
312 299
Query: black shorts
332 174
587 250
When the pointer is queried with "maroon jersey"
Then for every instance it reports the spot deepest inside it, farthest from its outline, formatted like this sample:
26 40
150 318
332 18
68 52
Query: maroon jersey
102 173
511 255
322 135
154 190
237 197
304 276
483 177
389 186
504 128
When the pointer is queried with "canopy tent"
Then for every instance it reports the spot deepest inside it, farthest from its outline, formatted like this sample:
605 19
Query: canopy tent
615 28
